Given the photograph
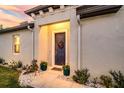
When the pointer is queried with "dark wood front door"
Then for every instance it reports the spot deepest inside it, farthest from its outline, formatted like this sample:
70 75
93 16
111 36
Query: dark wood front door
60 48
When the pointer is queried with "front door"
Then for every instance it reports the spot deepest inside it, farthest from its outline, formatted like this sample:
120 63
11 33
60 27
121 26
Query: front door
60 48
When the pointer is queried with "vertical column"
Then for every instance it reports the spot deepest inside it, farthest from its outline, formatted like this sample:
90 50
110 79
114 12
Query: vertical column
73 41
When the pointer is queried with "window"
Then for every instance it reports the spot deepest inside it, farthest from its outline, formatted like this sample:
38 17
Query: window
16 43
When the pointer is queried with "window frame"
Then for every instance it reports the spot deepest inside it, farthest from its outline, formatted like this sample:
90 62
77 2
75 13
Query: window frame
13 44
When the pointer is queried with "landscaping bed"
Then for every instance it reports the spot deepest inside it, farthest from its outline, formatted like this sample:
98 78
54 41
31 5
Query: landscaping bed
9 78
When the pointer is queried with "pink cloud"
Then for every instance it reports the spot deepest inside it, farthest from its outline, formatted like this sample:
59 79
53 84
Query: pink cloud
9 20
17 8
22 8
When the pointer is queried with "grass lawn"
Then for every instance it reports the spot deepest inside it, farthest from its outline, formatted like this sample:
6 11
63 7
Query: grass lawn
9 78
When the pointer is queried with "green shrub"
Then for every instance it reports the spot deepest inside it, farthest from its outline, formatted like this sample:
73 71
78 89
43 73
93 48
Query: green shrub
32 68
118 78
106 81
15 64
24 67
81 76
95 82
2 61
34 61
19 64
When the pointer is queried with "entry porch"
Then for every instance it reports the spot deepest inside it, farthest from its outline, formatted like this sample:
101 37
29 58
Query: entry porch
54 44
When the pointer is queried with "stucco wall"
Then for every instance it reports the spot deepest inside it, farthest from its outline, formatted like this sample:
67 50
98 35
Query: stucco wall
43 44
6 47
102 43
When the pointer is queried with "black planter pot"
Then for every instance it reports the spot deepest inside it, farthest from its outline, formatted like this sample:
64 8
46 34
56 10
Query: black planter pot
66 72
43 67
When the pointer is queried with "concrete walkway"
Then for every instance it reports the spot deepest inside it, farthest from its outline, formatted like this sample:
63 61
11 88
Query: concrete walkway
48 79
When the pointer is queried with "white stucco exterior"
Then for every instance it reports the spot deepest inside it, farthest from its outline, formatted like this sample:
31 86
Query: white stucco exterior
102 37
102 41
6 47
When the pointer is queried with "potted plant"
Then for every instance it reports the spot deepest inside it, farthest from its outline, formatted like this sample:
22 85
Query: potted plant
43 65
66 70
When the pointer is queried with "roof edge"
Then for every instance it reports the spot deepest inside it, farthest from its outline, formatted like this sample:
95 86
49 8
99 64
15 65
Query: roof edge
17 28
96 10
44 8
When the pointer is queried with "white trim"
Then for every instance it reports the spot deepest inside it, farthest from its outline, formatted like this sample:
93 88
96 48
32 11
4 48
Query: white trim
62 6
79 47
33 15
53 46
79 41
50 9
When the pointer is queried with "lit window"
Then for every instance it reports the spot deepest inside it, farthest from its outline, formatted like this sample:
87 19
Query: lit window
16 43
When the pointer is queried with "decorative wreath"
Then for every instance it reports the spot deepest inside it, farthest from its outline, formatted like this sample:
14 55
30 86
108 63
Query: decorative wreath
60 44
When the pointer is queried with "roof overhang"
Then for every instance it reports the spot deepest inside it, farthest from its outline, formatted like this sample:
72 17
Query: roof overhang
44 8
17 28
86 11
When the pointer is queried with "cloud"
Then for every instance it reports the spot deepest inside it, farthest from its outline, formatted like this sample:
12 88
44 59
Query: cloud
1 11
9 7
13 15
17 8
9 20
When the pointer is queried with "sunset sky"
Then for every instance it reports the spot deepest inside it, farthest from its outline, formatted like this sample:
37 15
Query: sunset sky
11 15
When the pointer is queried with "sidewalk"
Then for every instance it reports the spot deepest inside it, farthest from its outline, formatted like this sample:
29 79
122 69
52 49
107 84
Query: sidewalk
49 79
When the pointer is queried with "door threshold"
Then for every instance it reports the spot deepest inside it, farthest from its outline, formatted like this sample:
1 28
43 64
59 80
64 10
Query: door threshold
56 68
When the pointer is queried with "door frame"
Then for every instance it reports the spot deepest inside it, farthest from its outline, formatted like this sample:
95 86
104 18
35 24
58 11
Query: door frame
53 46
